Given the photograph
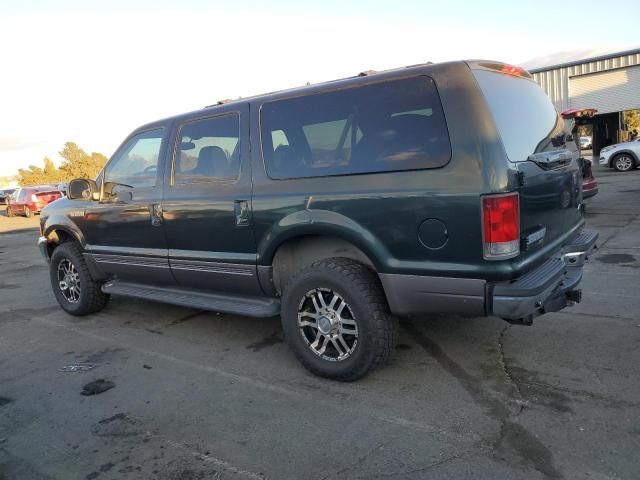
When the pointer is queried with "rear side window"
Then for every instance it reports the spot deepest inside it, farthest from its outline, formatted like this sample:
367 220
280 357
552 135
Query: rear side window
208 149
389 126
524 115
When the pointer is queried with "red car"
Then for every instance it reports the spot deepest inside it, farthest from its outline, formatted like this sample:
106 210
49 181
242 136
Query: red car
28 200
575 117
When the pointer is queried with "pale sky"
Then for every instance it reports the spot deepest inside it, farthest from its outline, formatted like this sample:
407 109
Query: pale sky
92 71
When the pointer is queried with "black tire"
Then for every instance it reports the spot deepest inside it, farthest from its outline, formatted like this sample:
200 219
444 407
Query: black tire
9 212
90 299
27 212
623 162
360 289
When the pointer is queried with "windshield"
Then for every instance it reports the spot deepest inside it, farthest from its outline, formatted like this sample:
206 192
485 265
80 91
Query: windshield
526 119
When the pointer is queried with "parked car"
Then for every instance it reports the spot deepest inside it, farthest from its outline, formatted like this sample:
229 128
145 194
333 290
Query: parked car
621 156
29 200
4 195
575 117
434 188
589 182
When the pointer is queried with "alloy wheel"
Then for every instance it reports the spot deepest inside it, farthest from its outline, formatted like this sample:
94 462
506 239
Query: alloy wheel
327 324
69 280
624 163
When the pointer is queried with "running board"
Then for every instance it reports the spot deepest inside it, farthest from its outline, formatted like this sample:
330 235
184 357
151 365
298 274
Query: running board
250 306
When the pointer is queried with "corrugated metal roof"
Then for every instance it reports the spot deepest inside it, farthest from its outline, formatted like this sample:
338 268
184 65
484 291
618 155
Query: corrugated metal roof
635 51
555 80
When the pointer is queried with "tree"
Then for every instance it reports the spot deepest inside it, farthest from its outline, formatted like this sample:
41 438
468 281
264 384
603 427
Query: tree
76 163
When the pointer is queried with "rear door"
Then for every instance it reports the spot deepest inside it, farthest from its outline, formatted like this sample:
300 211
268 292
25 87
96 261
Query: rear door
542 150
207 202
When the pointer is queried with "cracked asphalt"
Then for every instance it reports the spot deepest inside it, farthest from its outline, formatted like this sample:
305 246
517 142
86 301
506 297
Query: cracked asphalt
200 395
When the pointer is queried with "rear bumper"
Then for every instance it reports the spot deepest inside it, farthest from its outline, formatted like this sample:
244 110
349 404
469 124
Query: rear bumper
589 188
549 288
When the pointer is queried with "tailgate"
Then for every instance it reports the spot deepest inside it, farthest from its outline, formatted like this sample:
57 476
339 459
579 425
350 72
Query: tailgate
550 202
539 146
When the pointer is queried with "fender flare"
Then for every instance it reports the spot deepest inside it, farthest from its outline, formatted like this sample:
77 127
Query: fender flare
321 223
62 223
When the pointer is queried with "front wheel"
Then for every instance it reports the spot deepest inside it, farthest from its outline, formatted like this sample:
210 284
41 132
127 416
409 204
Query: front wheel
623 162
336 319
74 289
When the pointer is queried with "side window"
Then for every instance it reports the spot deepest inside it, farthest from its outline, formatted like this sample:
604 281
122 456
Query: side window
135 165
208 149
387 126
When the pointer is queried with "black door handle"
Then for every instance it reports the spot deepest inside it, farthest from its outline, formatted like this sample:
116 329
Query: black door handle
241 210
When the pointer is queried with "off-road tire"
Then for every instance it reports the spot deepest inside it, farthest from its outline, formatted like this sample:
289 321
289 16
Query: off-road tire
361 289
91 298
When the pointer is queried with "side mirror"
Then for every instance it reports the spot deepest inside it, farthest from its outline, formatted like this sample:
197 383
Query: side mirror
82 189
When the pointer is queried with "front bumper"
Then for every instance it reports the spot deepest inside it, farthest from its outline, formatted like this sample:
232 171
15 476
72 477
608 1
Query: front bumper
549 288
43 247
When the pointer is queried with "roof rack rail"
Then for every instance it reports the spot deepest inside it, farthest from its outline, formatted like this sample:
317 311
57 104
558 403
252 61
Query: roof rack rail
220 102
366 73
419 64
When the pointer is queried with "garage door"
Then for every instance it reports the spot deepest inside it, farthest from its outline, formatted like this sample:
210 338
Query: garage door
611 91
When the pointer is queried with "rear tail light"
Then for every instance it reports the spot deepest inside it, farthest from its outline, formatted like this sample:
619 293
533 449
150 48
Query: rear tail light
34 198
501 226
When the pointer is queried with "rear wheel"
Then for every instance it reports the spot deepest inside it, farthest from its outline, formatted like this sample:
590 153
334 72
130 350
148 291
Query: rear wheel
336 319
623 162
27 212
74 289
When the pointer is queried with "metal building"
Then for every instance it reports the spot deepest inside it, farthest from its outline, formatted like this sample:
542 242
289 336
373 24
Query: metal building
608 83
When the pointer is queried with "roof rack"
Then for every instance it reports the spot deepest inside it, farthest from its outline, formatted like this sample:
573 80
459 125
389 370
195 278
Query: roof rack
366 73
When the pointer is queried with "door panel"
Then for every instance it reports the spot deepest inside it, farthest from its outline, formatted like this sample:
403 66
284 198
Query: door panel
206 205
121 230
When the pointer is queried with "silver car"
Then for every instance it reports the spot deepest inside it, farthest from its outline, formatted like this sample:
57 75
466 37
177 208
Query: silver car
621 156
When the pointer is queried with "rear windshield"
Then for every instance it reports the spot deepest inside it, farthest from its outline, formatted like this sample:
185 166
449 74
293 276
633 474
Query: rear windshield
382 127
526 119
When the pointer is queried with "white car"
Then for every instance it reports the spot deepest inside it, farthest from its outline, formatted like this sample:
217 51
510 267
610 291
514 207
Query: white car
585 143
621 156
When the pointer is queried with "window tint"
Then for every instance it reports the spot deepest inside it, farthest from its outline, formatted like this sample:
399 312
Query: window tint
396 125
136 164
525 117
208 149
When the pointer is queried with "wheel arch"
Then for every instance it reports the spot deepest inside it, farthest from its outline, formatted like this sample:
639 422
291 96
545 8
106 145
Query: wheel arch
60 232
298 251
634 156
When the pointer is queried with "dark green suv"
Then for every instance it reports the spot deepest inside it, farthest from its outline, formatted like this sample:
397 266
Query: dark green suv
452 187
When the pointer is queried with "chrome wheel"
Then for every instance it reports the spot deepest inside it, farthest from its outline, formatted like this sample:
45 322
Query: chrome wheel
327 325
69 281
624 163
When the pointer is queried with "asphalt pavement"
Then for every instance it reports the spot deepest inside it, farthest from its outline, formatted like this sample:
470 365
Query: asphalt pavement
200 395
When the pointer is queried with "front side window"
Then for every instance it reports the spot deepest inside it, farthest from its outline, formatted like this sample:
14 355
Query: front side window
136 164
387 126
208 149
